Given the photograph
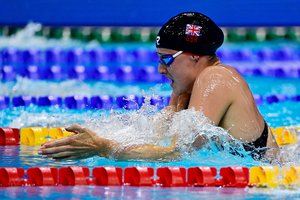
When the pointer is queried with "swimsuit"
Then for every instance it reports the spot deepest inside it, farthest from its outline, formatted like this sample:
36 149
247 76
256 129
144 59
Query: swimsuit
258 147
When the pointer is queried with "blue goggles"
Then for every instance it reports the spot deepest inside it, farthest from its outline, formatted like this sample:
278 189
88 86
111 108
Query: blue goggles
168 59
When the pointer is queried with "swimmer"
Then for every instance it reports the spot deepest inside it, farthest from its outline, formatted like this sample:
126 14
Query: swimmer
186 46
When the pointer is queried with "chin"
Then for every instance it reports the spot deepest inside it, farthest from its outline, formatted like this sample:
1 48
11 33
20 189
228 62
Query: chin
178 92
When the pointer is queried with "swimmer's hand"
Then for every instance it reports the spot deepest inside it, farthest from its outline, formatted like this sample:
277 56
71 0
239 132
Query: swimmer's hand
84 143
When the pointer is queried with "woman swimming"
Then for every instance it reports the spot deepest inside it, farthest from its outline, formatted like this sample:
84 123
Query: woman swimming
186 46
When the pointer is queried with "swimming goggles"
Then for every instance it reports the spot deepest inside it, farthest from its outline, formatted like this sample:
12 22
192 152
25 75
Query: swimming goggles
168 59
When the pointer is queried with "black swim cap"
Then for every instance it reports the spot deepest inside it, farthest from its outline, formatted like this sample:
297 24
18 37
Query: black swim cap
190 32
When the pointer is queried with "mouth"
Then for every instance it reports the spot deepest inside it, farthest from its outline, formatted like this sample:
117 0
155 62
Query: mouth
172 82
170 78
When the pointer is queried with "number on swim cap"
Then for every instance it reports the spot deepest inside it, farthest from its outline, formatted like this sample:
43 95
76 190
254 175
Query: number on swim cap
157 40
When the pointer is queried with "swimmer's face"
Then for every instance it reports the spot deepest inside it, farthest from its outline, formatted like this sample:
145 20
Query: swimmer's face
182 71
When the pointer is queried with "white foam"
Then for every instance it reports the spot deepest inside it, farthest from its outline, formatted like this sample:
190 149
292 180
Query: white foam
25 86
26 38
141 127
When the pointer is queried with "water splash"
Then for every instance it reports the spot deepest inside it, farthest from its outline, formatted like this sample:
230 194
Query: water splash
33 116
150 126
25 86
26 38
144 127
289 154
28 32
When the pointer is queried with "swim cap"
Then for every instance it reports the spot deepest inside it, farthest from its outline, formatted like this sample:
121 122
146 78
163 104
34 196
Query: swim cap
190 32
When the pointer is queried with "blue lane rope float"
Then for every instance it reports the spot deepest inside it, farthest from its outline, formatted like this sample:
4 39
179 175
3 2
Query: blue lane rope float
23 100
4 102
102 102
131 65
128 102
75 56
127 73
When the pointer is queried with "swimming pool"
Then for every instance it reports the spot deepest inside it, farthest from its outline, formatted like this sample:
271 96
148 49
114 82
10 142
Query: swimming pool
26 103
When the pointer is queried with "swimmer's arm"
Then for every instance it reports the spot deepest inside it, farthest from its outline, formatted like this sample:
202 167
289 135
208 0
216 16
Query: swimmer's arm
85 143
149 152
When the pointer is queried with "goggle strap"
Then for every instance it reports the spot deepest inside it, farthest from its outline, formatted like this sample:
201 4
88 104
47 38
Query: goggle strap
177 54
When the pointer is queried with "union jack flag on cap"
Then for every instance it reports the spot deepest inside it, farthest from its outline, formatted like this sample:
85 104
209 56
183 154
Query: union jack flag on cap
193 30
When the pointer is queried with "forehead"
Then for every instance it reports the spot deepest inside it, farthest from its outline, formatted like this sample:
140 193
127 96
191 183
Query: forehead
165 51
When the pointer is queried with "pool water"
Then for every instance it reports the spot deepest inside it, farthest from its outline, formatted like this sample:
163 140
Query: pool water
282 113
126 192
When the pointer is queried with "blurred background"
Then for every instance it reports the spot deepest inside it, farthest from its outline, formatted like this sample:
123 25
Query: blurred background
147 13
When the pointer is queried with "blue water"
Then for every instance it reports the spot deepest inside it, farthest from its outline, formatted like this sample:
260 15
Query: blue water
285 113
279 114
98 192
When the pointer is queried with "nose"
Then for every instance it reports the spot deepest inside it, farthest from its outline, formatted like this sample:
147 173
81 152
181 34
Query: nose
162 69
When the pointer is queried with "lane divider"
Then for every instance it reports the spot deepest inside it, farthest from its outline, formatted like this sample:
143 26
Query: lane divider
37 135
129 74
260 176
9 136
202 176
286 135
291 176
128 102
33 135
30 135
265 176
171 176
232 176
112 176
147 34
70 57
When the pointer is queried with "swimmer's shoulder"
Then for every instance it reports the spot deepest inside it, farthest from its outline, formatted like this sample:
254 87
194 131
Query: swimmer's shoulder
218 71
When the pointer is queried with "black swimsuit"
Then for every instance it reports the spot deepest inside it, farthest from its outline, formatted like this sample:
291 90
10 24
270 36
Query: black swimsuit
258 147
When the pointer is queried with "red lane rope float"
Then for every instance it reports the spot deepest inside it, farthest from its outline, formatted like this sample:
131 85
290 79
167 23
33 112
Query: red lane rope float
260 176
74 175
9 136
171 176
42 176
234 176
108 176
139 176
11 176
202 176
